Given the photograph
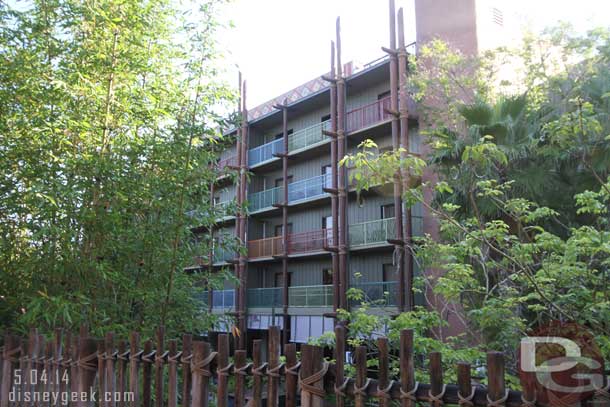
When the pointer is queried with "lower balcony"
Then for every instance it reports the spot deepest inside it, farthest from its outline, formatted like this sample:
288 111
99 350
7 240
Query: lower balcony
298 243
221 299
302 190
375 232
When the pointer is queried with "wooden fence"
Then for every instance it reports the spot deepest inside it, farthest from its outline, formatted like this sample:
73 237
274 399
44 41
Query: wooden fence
156 373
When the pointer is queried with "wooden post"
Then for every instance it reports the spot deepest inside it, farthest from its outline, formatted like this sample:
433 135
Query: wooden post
437 389
187 347
240 378
407 369
64 376
101 371
160 335
134 361
257 385
109 367
384 372
121 378
74 376
360 388
55 373
495 377
273 355
146 374
290 351
312 387
172 386
23 364
48 367
87 369
31 363
465 389
223 371
9 360
339 365
200 374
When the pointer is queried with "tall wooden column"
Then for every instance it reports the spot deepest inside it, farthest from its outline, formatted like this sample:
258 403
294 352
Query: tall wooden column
398 240
404 143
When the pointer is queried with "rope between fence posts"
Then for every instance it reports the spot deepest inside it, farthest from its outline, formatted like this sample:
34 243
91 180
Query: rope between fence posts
497 403
437 398
86 364
385 393
200 367
307 384
224 371
340 391
604 392
243 371
528 403
293 370
11 353
259 371
275 371
361 391
466 401
411 394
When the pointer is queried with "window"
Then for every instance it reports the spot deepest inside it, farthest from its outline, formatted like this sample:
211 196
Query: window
328 179
327 276
327 222
278 280
279 182
280 135
279 229
325 118
387 211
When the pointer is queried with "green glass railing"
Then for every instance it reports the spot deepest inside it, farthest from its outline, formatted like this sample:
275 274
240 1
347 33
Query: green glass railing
265 297
222 255
265 199
308 136
378 293
311 296
372 232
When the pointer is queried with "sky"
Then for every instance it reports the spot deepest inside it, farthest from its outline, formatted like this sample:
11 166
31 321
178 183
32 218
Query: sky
280 44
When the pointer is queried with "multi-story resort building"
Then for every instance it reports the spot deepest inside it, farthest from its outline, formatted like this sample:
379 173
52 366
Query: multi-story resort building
287 147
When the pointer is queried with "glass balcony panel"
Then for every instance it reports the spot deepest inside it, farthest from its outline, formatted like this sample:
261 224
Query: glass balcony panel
308 136
311 296
265 199
265 297
373 232
380 293
223 299
308 188
265 152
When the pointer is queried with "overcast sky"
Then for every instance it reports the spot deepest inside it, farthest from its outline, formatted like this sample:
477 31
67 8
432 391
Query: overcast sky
280 44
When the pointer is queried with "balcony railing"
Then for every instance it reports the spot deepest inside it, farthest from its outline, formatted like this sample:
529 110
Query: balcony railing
265 199
313 241
308 188
265 297
380 293
372 232
368 115
308 136
311 296
227 162
222 255
223 299
265 152
271 246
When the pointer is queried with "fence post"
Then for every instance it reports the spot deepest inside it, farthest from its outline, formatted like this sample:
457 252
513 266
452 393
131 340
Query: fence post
437 388
187 346
172 385
361 380
12 348
383 391
55 374
32 354
496 394
257 384
134 358
408 386
64 372
146 374
240 378
121 383
223 371
87 369
109 367
292 366
101 371
273 376
200 374
340 382
312 376
465 388
74 376
48 367
159 355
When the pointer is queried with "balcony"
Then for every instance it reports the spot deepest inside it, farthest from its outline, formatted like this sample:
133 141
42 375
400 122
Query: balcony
222 255
311 296
227 162
222 299
265 297
379 293
372 233
368 115
308 137
260 154
297 191
271 246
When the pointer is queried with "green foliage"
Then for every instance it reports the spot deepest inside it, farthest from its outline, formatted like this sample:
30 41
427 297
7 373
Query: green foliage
109 122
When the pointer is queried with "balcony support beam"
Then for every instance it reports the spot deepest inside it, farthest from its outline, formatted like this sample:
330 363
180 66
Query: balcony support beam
404 143
394 88
284 206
